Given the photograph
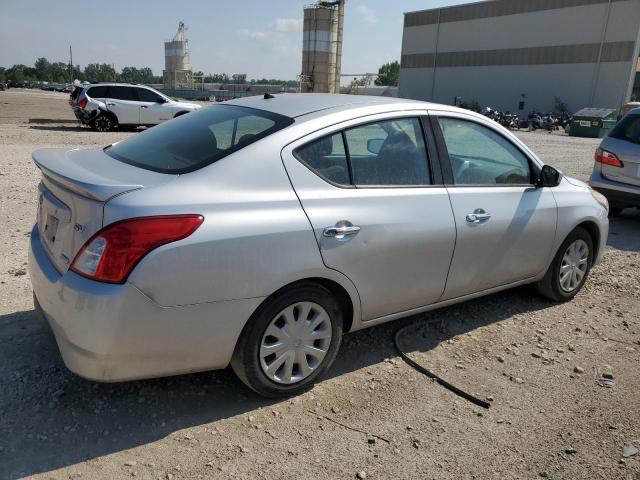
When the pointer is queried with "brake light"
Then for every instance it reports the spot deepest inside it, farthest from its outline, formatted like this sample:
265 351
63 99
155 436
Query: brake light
111 254
83 103
608 158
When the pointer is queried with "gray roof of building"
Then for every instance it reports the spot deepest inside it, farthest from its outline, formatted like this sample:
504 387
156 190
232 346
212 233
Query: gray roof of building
298 104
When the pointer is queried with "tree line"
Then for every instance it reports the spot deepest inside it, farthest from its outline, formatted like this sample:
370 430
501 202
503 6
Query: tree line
58 72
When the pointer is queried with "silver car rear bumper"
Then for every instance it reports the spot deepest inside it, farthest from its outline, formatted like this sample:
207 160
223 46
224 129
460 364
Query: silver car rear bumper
112 333
618 194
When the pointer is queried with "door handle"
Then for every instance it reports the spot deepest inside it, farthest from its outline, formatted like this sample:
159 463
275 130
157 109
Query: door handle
479 215
340 230
144 106
111 104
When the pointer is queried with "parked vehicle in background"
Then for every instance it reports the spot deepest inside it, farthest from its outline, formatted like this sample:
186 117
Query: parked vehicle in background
254 233
616 173
627 108
106 106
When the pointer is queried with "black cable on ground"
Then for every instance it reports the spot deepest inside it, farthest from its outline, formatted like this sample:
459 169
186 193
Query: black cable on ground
430 374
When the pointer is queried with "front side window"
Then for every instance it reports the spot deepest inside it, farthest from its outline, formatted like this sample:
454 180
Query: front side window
145 95
480 156
193 141
385 153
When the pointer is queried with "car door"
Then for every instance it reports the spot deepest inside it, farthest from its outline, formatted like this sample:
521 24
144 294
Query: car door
153 107
123 102
378 209
505 225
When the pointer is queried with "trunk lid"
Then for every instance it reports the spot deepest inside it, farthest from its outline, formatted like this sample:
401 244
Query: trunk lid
629 155
624 142
75 186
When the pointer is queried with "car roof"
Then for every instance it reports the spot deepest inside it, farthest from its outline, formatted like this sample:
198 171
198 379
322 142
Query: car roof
298 104
118 84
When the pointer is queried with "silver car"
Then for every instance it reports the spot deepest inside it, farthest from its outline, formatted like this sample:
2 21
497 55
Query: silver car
255 233
616 173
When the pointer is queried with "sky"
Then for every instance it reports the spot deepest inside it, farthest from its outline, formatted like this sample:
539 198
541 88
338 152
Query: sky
258 37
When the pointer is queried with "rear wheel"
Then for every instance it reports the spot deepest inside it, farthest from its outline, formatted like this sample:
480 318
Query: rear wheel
569 269
290 341
104 122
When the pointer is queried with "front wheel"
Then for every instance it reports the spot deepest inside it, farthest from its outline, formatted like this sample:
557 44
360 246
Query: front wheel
290 341
569 269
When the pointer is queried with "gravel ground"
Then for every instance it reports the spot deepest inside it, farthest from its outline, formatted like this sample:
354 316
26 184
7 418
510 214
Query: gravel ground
541 365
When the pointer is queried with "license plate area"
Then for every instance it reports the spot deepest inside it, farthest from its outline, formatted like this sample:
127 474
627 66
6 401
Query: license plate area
50 229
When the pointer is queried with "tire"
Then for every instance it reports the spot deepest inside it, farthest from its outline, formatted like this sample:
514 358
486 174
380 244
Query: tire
104 122
551 285
274 316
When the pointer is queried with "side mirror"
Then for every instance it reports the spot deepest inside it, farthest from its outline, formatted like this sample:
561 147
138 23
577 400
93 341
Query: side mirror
374 145
549 177
161 100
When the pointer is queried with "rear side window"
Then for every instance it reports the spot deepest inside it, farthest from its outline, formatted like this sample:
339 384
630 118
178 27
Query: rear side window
123 93
98 92
628 129
385 153
326 157
391 152
193 141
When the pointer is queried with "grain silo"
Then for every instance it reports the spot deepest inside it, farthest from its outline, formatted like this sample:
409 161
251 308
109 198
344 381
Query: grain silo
322 47
177 68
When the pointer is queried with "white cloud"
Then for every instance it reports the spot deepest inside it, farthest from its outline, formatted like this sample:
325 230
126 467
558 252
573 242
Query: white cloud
288 25
367 15
256 35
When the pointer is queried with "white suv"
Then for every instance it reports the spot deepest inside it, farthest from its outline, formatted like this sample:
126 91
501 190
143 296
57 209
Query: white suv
106 106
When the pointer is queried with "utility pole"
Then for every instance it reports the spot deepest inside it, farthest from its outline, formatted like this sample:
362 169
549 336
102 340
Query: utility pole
70 65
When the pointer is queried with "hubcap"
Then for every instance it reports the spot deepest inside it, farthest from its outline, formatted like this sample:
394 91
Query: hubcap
574 265
295 342
103 124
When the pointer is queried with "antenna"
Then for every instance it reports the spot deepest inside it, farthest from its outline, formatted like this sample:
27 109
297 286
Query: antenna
267 96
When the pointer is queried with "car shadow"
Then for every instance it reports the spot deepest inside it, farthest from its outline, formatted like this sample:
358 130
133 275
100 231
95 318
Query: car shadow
50 418
60 128
624 231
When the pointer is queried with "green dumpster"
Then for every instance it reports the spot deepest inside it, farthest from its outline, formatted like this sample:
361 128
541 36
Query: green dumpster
593 122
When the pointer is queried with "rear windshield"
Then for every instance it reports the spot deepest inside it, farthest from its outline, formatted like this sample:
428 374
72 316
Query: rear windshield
76 92
627 129
197 139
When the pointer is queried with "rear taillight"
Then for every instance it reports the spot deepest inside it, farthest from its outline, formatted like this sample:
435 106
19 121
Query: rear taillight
83 103
111 254
607 158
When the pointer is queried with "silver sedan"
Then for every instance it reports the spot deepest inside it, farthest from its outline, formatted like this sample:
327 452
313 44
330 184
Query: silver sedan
256 232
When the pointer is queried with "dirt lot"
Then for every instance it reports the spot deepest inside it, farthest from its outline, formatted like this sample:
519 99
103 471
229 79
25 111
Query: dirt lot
540 364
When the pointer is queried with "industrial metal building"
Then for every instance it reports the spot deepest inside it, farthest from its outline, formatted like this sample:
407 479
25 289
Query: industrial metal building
504 52
322 47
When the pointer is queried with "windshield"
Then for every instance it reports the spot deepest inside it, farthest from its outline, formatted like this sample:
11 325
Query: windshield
197 139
